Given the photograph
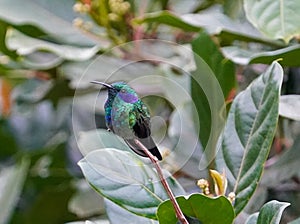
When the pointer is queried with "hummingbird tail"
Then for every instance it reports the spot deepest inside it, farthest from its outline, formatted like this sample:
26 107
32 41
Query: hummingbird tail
148 143
154 151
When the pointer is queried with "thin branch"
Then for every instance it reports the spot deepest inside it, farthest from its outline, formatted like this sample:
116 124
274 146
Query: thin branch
165 184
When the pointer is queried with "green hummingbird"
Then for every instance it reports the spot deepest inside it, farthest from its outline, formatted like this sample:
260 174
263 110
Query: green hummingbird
127 116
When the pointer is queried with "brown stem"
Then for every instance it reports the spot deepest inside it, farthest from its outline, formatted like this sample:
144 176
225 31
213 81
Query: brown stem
165 184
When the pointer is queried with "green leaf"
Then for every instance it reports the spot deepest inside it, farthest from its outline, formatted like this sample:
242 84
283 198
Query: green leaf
276 19
289 107
123 178
89 141
48 188
224 72
288 56
212 20
233 8
7 138
271 212
215 22
117 215
223 69
168 18
25 45
3 47
205 209
249 133
11 184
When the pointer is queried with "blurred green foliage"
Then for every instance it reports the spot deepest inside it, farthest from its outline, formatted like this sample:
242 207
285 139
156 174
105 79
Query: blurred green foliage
51 50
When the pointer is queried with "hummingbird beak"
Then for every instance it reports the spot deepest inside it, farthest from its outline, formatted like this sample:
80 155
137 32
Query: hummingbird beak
103 84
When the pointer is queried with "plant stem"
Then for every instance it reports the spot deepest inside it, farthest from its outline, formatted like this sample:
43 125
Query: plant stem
165 184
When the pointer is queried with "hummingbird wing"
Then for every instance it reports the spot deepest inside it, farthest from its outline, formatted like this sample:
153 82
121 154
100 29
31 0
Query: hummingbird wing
142 131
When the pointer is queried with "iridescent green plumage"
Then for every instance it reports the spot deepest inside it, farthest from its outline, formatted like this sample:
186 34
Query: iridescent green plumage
127 116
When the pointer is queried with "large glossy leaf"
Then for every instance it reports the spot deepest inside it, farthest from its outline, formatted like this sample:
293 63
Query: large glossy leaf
123 178
276 19
288 56
98 221
117 215
270 213
205 210
11 183
249 132
99 139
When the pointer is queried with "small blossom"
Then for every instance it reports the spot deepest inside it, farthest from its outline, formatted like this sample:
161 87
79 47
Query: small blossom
4 59
81 8
231 196
78 22
204 185
114 17
119 7
77 7
88 25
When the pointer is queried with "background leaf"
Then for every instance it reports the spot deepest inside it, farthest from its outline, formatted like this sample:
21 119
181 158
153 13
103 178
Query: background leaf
99 139
205 209
288 55
52 19
223 70
167 18
271 212
274 18
117 215
289 107
249 133
252 219
123 178
213 21
296 221
11 184
86 202
26 45
285 167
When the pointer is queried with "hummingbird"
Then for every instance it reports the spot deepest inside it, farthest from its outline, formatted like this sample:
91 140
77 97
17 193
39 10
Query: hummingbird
128 117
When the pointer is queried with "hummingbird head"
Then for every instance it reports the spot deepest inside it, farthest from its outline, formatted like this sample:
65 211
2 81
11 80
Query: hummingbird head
121 90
